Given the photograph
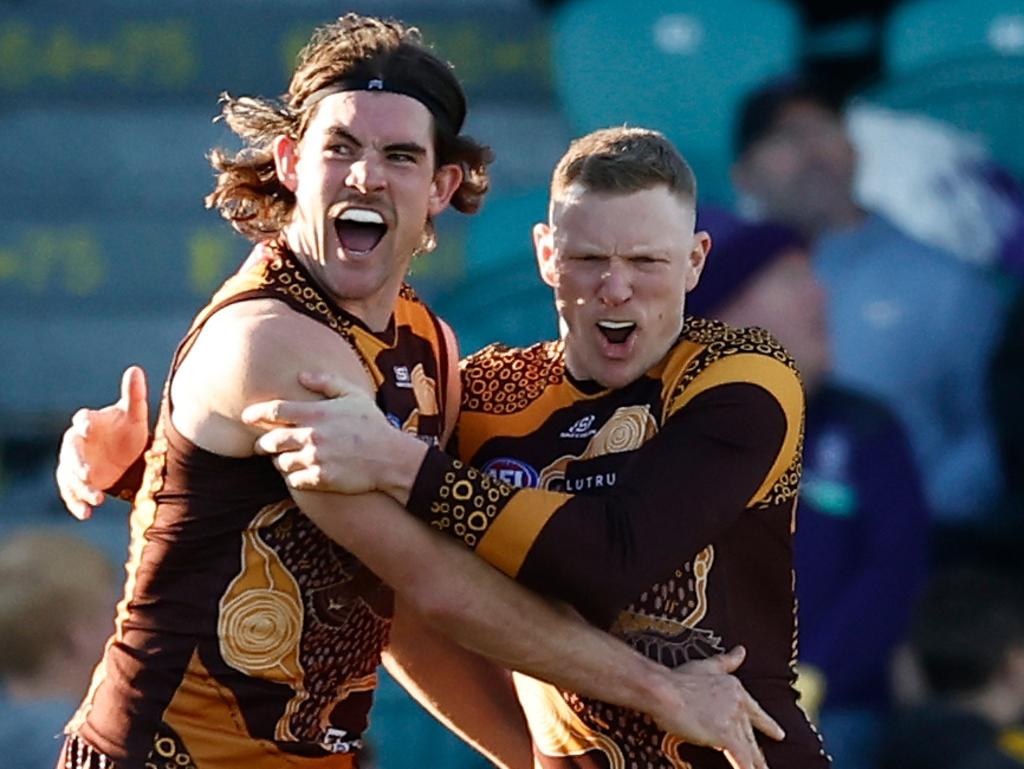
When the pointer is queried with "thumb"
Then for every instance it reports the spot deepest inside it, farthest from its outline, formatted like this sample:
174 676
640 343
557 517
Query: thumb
133 394
327 385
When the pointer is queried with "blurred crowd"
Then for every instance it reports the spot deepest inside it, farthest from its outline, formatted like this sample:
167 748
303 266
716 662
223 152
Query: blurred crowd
911 517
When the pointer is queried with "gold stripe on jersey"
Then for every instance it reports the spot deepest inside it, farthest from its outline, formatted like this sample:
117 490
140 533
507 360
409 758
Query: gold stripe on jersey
769 373
217 735
506 543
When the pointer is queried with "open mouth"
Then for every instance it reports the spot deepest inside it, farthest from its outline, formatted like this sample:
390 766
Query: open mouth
360 230
616 331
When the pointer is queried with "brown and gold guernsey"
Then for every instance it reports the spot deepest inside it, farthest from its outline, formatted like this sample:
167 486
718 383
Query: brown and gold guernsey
662 510
246 637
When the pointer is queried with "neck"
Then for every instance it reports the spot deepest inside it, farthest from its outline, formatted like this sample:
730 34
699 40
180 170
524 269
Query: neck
374 311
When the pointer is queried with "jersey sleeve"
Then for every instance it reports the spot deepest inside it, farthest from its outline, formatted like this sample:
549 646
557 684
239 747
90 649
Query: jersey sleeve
723 445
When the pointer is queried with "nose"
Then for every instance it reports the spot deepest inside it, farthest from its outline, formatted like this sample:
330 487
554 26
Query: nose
616 287
365 175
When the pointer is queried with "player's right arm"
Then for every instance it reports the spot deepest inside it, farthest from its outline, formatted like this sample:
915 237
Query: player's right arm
254 351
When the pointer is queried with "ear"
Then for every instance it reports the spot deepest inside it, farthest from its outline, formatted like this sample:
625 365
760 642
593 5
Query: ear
446 181
286 157
697 258
544 247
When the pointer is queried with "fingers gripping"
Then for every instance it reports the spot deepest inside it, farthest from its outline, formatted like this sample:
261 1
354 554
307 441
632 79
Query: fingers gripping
760 719
282 439
72 474
265 413
327 385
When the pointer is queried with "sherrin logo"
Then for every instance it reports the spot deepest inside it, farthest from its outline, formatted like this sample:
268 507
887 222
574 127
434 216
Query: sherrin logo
513 472
581 428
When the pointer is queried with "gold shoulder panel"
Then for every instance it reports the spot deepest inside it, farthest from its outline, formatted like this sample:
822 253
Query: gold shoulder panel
754 356
504 380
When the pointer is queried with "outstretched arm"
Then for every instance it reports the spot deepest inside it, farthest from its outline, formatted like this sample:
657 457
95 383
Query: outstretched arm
102 445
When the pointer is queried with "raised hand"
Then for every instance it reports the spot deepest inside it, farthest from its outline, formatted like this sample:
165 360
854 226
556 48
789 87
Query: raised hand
101 444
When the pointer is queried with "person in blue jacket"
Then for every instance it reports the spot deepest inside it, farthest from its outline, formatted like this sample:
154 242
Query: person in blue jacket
908 323
862 522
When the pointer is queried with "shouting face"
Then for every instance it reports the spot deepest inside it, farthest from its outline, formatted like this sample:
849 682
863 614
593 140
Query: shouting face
366 183
620 265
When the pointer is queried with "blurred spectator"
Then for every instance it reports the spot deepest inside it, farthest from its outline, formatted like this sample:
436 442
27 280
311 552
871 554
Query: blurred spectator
56 608
862 522
940 184
909 324
967 648
1007 383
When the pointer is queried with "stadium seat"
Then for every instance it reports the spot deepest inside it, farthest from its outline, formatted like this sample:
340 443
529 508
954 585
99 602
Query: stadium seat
501 234
680 66
501 297
929 32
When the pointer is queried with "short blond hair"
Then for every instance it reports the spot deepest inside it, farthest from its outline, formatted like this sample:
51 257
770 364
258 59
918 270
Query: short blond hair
623 160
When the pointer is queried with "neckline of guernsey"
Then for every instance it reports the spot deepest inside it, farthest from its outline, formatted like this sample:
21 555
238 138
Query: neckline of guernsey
388 336
591 387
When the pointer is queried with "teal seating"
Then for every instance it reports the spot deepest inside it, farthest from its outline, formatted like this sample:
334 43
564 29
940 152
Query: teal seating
501 297
928 32
680 66
501 234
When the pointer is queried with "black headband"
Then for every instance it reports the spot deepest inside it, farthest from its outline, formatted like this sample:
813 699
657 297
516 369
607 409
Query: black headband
391 85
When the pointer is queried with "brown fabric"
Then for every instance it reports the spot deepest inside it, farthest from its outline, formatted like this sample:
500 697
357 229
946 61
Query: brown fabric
245 631
663 510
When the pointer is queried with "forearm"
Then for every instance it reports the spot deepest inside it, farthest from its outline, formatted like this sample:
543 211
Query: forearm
467 693
674 496
482 610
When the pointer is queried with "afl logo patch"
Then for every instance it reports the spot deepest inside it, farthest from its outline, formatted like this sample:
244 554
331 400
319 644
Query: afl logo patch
513 472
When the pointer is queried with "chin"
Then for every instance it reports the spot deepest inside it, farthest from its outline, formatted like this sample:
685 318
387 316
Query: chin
617 378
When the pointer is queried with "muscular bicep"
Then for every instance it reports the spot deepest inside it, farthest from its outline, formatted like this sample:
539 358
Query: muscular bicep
675 495
246 353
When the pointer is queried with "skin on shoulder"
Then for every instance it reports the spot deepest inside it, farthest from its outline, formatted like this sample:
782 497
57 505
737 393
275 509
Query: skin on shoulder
247 352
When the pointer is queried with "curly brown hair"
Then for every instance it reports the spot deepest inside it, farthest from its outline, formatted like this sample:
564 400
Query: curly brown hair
622 160
248 193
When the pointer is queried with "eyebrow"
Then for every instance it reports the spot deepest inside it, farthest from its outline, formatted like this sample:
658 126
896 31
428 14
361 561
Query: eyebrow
413 148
